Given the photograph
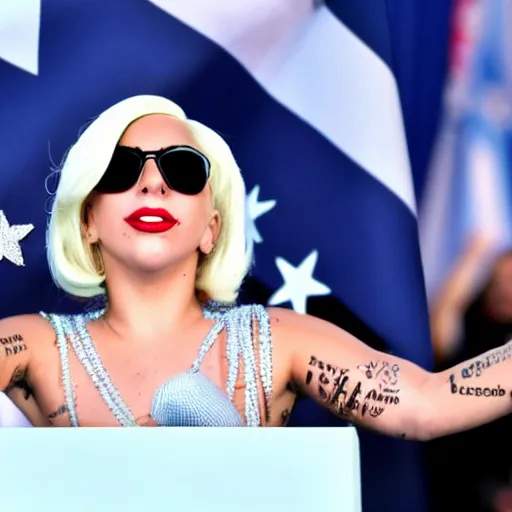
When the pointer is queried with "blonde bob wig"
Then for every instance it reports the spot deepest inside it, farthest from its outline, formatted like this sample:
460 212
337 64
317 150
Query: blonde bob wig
72 264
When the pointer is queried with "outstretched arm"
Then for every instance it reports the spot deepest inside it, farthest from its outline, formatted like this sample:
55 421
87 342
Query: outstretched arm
388 394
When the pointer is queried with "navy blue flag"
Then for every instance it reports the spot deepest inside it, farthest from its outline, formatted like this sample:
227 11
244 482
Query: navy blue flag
305 95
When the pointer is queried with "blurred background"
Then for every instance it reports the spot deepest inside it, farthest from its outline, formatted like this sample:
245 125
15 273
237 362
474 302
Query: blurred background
374 138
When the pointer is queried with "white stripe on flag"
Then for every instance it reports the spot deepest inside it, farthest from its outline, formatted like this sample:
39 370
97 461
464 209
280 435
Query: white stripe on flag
19 33
487 192
436 209
311 63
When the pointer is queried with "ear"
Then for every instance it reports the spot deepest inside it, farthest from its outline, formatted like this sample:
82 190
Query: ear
89 231
211 233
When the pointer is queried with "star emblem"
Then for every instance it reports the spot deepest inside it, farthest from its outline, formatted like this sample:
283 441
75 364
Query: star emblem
19 33
299 283
255 209
10 237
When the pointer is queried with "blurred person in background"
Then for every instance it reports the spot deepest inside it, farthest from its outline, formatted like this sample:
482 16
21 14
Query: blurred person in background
473 313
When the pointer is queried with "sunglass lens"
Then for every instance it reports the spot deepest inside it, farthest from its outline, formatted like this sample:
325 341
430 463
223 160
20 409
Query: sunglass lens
122 172
185 171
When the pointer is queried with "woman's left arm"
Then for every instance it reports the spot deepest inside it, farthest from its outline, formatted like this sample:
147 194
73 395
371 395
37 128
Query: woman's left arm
385 393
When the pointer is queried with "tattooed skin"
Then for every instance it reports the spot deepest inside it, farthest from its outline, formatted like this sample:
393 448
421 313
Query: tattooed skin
12 345
342 392
455 388
383 372
495 356
63 409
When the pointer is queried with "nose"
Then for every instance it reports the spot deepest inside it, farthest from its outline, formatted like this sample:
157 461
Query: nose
151 180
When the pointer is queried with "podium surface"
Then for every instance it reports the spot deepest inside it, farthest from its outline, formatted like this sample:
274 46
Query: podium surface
179 469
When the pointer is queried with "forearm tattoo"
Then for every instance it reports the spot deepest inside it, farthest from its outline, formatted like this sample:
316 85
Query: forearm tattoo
475 390
345 393
474 369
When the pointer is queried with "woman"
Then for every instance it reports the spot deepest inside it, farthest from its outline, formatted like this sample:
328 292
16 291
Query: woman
150 211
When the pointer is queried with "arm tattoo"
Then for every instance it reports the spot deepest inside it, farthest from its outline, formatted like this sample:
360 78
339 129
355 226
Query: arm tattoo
342 392
384 373
13 345
495 356
456 388
63 409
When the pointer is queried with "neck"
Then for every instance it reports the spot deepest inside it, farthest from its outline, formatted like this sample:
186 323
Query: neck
145 304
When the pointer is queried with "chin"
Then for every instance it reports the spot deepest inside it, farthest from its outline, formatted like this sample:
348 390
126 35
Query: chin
157 262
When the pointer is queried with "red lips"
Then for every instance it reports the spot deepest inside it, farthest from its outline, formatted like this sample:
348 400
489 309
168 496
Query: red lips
151 220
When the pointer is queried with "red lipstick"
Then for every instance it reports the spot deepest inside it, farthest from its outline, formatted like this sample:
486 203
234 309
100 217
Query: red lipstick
151 220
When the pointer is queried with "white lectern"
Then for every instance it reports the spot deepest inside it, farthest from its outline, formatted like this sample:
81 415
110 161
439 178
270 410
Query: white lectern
179 469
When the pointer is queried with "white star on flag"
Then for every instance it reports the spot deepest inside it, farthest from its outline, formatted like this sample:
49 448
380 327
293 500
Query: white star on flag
255 209
10 237
19 33
299 283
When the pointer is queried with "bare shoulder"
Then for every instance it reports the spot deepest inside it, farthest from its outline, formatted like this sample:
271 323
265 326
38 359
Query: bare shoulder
296 338
28 328
290 328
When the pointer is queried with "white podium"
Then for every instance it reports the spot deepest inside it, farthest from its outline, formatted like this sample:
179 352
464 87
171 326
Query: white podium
179 469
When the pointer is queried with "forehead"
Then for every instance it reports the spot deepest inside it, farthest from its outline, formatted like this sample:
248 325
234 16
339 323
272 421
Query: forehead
157 131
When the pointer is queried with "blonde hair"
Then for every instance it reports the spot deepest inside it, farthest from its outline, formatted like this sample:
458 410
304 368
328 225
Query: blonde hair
72 263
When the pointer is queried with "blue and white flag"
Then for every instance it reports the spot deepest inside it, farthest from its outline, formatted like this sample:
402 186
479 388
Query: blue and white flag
469 190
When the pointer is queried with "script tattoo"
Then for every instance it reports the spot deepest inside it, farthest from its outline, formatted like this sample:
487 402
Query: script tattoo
63 409
331 383
495 356
385 376
475 391
343 394
13 344
382 371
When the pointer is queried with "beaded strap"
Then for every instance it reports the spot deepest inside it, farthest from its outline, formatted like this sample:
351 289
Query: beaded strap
89 357
63 346
265 344
239 323
208 342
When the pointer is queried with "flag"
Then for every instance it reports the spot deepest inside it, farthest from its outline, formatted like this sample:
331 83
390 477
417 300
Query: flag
468 188
304 93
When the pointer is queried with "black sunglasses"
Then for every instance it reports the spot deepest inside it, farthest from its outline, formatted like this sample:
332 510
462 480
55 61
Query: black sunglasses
183 168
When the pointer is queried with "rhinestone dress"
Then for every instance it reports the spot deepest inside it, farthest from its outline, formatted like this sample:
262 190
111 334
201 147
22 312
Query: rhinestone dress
189 398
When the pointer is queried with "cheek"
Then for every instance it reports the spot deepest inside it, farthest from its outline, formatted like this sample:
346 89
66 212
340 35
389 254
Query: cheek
107 213
193 212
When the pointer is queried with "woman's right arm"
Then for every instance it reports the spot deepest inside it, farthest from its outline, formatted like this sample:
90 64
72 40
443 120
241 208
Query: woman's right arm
16 335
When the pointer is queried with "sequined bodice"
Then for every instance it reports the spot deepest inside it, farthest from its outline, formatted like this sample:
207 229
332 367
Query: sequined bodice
190 398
